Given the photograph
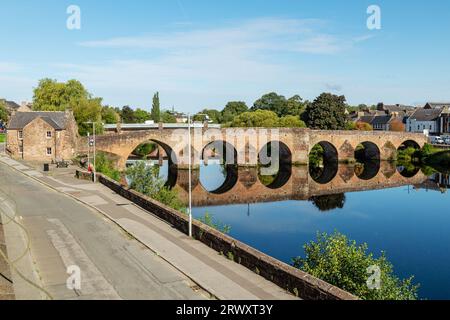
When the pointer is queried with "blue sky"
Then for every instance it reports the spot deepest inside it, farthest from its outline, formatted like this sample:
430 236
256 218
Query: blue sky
200 54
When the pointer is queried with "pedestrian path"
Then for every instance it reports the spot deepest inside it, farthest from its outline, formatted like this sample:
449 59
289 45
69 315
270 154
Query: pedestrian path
214 273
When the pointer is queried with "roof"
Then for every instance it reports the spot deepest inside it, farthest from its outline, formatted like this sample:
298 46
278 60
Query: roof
58 120
438 105
381 120
394 107
10 105
426 114
366 119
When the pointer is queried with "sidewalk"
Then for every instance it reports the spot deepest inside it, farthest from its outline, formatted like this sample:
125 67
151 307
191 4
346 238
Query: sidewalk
214 273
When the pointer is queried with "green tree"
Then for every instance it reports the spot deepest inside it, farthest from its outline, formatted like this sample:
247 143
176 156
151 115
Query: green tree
291 122
272 102
141 116
256 119
88 110
51 95
327 112
146 180
345 264
110 115
295 106
3 112
167 117
156 108
233 109
214 115
105 165
128 115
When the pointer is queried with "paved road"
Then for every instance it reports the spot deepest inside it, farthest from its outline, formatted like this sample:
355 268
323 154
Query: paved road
65 232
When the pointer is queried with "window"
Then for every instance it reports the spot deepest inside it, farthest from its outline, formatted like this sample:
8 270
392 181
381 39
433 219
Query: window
49 151
20 135
20 149
49 134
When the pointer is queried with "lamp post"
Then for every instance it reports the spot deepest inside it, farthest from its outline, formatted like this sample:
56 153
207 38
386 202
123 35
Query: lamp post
190 174
94 145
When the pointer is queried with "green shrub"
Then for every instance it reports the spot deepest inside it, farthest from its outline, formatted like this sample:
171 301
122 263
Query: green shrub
209 220
106 166
343 263
146 180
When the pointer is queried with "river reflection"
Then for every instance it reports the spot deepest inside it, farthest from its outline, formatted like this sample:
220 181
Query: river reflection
402 210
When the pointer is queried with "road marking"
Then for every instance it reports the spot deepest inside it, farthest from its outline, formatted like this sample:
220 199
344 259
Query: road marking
93 284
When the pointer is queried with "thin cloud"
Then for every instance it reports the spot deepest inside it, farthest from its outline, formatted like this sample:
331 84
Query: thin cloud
288 35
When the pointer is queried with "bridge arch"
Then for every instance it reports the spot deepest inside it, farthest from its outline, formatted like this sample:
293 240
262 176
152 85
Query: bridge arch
323 162
226 154
409 144
367 151
275 165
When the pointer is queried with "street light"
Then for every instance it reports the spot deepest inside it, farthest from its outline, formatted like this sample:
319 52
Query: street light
190 173
93 131
190 169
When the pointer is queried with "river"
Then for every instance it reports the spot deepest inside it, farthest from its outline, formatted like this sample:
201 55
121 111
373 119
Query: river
406 215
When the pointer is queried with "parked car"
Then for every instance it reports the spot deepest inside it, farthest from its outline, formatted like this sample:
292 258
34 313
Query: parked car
447 140
437 140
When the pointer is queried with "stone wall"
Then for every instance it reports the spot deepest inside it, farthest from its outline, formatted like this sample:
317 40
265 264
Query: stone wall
289 278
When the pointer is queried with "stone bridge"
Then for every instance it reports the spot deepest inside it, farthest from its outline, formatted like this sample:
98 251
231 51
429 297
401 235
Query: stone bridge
298 185
245 145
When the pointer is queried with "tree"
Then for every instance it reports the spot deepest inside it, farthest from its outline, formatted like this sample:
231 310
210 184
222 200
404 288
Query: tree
256 119
167 117
214 116
233 109
291 122
156 109
51 95
271 102
363 126
279 104
146 180
141 116
128 115
397 125
3 112
88 110
345 264
110 115
295 106
327 112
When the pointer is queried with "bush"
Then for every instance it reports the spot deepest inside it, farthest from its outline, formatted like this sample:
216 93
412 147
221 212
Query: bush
341 262
211 222
106 166
146 180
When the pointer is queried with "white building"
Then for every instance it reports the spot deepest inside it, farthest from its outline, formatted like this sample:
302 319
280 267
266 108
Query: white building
425 120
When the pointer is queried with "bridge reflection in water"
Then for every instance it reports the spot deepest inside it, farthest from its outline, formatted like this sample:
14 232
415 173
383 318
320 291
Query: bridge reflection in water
244 185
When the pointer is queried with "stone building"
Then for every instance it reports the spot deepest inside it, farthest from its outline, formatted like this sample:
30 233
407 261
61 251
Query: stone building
42 136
